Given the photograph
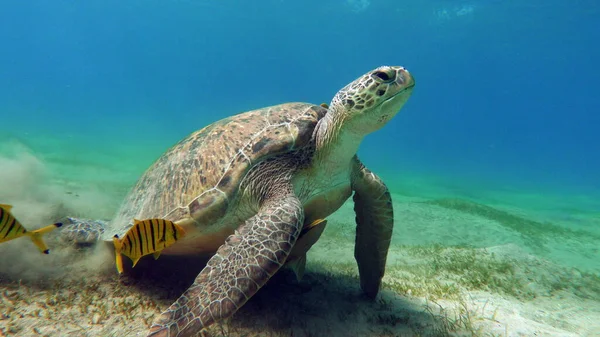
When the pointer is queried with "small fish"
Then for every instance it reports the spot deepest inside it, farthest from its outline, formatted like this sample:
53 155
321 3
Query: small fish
146 237
11 229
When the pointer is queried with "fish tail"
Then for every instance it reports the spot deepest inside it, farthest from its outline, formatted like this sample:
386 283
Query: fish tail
118 257
36 236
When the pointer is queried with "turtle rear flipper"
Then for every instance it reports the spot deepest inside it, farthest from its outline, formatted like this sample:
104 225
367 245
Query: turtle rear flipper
239 268
81 232
308 237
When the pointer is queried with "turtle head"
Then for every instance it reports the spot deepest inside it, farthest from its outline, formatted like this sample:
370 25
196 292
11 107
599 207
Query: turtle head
369 102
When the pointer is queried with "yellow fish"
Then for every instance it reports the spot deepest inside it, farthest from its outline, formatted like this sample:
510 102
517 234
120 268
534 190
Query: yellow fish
11 229
148 236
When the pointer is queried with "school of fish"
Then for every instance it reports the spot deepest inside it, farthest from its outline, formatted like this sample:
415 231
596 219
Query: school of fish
146 237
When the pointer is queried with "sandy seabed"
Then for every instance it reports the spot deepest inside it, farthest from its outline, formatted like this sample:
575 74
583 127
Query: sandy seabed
456 268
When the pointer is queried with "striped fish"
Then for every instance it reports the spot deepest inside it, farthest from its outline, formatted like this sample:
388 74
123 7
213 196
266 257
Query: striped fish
146 237
11 228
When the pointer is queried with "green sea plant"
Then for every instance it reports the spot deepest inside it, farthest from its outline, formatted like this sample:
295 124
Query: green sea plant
440 272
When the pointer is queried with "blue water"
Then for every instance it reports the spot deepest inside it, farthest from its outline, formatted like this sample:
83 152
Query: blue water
506 90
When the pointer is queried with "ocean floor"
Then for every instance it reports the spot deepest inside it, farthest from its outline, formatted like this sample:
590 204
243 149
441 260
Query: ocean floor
457 267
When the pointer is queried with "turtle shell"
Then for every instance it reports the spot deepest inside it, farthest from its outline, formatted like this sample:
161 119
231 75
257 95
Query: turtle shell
202 172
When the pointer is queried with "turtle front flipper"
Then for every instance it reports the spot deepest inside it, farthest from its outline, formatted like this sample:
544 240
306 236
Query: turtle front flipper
239 268
374 225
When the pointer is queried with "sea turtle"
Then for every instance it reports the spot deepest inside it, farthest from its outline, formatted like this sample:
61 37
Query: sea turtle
246 187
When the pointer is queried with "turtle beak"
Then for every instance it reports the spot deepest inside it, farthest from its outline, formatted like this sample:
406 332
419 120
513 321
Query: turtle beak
404 78
403 84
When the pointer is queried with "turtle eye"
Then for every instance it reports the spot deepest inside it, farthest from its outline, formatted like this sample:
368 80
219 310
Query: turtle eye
349 102
384 76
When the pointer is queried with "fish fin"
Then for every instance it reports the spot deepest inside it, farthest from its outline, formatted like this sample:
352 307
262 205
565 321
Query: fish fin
135 261
156 254
324 105
297 266
136 221
119 263
118 256
313 225
36 236
308 237
37 240
6 207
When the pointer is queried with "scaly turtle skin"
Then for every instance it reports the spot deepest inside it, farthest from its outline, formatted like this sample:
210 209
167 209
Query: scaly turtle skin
245 187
